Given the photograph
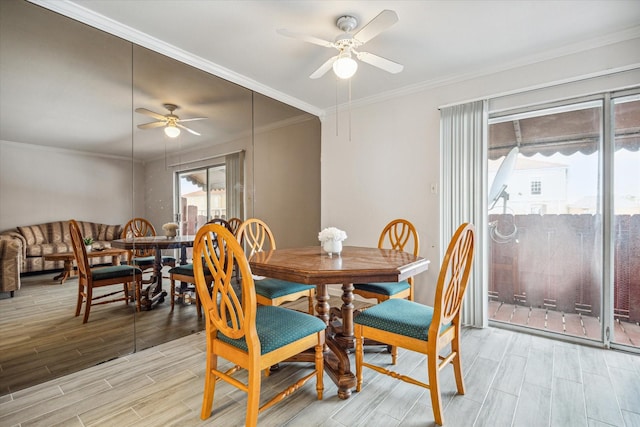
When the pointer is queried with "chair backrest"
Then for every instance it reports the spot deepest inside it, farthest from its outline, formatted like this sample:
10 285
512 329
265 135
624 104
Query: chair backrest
225 310
235 224
256 235
453 280
399 234
80 252
139 227
222 222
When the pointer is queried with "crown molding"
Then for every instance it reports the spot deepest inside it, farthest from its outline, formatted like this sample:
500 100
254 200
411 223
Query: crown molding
101 22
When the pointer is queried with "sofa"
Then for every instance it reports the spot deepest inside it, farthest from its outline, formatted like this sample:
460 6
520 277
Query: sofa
10 256
33 242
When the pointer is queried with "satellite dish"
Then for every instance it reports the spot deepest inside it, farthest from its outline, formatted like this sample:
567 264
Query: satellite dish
502 178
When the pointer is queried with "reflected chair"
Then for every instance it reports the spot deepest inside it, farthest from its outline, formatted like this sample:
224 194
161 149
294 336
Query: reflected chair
424 329
143 258
257 236
91 278
235 224
249 336
184 274
398 234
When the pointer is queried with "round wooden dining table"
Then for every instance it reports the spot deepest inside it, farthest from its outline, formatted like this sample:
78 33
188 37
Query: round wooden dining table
311 265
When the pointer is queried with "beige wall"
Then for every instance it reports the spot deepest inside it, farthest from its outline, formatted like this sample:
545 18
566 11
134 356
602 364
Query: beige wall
40 184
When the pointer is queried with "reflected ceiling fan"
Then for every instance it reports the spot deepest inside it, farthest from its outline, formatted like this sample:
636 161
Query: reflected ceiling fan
343 64
172 123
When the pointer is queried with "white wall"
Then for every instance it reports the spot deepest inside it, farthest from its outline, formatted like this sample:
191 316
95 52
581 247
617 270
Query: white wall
385 170
41 184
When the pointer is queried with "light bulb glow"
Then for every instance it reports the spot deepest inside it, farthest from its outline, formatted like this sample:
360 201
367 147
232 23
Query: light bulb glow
345 66
171 131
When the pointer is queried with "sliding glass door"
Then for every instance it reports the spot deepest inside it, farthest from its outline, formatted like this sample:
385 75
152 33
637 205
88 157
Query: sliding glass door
564 220
626 223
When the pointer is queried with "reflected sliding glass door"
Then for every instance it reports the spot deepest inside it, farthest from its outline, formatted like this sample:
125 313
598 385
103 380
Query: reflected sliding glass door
201 196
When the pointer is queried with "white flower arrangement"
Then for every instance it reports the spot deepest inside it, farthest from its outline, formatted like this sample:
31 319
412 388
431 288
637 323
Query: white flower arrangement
170 226
332 233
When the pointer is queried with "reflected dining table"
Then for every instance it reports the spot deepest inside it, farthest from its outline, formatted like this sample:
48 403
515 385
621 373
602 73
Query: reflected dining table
311 265
154 293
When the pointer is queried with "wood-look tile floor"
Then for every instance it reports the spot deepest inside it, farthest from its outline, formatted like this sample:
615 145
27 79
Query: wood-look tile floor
512 379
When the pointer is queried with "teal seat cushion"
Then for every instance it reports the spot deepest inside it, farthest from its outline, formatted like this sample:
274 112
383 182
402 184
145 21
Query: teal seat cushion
114 271
275 288
388 288
399 316
150 260
278 327
185 270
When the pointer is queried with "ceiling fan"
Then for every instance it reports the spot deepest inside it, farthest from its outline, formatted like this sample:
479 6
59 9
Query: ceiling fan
171 122
343 64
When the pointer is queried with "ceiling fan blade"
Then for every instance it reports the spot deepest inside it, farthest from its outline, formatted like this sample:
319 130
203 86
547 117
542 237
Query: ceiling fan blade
384 20
304 37
151 125
187 129
380 62
150 113
323 68
192 119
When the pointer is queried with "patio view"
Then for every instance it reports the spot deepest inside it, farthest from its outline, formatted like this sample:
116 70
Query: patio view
549 219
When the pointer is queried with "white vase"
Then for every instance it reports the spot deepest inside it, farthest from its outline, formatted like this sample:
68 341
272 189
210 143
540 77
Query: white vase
87 248
170 233
332 246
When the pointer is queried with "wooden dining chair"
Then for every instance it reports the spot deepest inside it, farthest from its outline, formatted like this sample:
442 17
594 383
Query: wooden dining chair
92 278
143 258
400 235
258 237
235 224
249 336
424 329
184 274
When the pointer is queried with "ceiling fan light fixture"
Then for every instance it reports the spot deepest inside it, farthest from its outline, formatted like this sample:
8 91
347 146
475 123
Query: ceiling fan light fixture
345 66
172 131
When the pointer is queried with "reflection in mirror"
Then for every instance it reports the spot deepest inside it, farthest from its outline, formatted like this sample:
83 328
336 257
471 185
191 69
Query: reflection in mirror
65 152
287 171
71 147
185 177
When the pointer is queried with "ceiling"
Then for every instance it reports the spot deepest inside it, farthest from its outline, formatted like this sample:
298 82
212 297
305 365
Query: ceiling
67 105
436 41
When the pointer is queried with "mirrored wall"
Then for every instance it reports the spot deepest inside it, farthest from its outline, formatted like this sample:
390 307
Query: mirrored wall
71 147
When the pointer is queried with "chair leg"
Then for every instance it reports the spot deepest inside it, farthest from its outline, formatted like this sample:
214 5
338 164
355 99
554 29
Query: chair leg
87 304
359 356
125 289
80 298
138 293
457 363
172 292
394 354
319 371
253 399
434 386
209 386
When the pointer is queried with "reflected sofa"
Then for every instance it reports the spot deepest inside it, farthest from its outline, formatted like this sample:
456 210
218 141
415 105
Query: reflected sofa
33 242
10 256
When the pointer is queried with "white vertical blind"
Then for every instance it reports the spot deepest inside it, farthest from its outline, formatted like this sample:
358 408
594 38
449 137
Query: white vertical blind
463 196
234 167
